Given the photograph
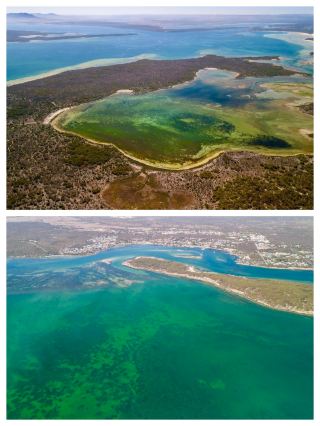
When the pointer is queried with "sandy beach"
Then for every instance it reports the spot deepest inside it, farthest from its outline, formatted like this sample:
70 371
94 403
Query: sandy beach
53 115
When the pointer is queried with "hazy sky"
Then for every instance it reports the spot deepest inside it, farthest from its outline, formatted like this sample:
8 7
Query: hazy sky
162 10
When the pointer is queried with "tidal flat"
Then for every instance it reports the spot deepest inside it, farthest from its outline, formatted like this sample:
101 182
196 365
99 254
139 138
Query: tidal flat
89 338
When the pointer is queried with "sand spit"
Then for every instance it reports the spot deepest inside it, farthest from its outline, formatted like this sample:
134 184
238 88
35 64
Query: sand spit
250 289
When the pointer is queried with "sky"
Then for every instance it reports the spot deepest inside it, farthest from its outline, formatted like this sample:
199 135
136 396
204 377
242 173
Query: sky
162 10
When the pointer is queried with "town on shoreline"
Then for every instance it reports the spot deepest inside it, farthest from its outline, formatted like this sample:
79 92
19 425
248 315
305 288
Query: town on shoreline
252 243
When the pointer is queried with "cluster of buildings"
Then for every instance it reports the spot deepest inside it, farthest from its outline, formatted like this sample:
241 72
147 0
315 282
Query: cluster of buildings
249 247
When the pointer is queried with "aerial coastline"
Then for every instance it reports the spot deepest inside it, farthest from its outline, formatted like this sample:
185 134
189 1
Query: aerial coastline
228 147
140 293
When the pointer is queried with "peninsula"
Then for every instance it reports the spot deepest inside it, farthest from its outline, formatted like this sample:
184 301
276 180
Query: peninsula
88 84
280 295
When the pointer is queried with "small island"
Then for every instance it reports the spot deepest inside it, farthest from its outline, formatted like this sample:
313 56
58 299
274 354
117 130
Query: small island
280 295
29 36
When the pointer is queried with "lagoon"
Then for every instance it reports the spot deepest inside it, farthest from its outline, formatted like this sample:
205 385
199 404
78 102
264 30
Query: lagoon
191 123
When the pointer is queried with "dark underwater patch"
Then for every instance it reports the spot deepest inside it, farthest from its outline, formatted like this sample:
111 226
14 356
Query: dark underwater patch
192 122
269 142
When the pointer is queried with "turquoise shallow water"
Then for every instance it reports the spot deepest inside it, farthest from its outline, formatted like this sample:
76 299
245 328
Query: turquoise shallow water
159 348
28 59
214 260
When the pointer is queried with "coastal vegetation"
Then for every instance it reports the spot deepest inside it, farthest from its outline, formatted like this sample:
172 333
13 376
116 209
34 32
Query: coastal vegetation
275 189
276 294
80 154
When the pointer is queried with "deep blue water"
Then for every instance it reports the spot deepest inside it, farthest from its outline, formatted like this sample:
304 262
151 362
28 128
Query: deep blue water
28 59
226 96
212 260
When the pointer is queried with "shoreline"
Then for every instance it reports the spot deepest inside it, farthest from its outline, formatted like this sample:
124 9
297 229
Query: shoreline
49 256
215 283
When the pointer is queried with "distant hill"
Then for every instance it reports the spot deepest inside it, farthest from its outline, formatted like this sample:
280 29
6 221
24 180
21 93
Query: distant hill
21 15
